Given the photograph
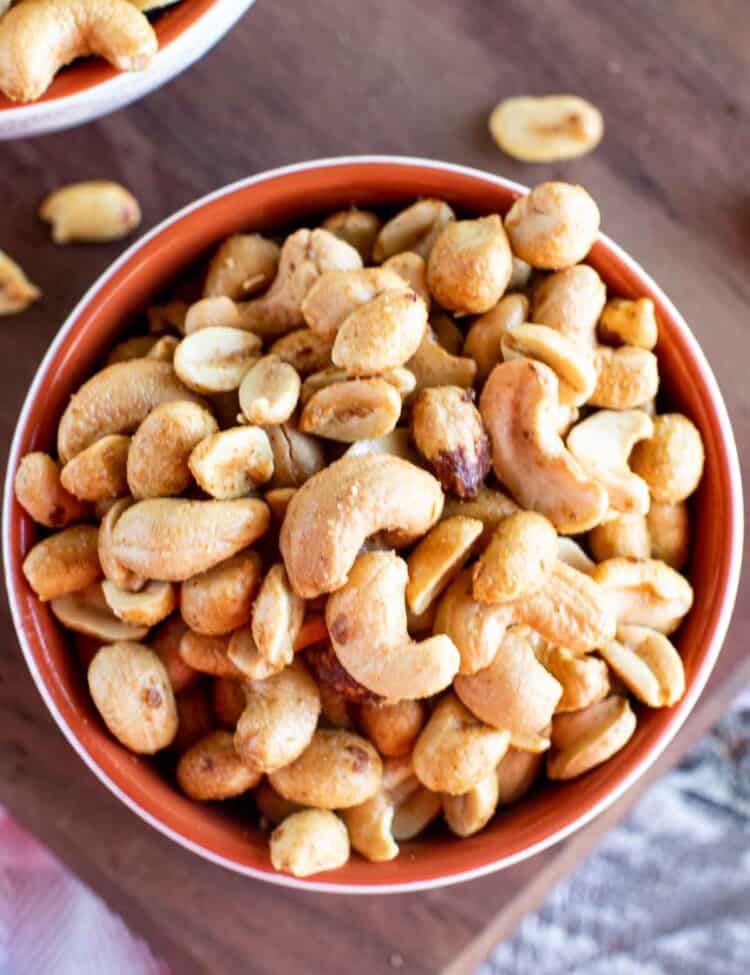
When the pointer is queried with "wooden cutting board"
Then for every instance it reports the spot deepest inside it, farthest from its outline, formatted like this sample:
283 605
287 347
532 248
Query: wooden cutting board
299 81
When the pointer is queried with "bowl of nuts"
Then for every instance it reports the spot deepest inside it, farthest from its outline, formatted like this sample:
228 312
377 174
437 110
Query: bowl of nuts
372 523
65 62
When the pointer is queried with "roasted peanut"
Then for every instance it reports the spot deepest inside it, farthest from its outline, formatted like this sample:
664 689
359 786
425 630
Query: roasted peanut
99 473
470 265
438 558
40 492
393 728
455 751
98 210
671 460
518 405
272 807
476 630
485 335
217 312
228 700
413 269
220 600
16 291
241 265
86 611
304 350
357 227
571 302
309 842
626 536
489 506
65 562
366 619
468 813
628 378
269 391
553 226
432 365
116 400
211 769
514 692
382 334
132 693
370 828
208 655
337 770
296 455
278 613
357 409
194 717
518 559
449 433
165 642
147 607
173 539
646 592
338 294
626 322
401 379
584 679
648 665
546 129
584 739
111 567
214 360
232 463
243 653
516 773
669 533
413 229
571 362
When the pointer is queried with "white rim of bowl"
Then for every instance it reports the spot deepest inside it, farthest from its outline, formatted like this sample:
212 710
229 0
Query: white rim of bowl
126 87
606 801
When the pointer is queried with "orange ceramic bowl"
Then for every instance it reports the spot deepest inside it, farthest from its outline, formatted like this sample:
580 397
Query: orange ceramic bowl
91 87
299 194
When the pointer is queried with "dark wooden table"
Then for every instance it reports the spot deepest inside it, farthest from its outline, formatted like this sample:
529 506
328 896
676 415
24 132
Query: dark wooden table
298 81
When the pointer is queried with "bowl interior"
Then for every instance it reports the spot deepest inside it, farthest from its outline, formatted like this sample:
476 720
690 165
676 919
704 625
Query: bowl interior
292 197
89 72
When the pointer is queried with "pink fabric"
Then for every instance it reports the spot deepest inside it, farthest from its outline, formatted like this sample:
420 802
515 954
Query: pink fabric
51 923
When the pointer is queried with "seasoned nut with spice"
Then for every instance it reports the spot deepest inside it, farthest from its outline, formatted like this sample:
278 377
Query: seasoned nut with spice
553 226
470 265
449 432
625 322
571 302
413 229
41 494
671 460
242 265
517 560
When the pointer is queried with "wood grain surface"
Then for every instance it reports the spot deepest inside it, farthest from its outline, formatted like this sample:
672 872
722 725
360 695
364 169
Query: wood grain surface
298 81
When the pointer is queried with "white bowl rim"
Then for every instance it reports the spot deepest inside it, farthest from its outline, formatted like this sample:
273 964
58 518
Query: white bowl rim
597 808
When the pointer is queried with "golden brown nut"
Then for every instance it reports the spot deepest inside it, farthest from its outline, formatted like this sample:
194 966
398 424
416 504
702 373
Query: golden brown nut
338 294
449 433
147 607
413 269
208 655
626 536
305 350
483 338
626 322
546 129
669 533
413 229
571 302
628 378
232 463
165 642
132 693
357 227
583 677
269 391
211 769
86 611
476 629
489 506
432 365
584 739
648 665
41 494
470 812
553 226
215 359
517 772
470 265
309 842
671 461
220 600
16 291
278 500
99 473
111 567
241 265
331 676
194 717
393 727
98 210
571 361
278 613
64 562
438 558
356 409
518 559
646 592
382 334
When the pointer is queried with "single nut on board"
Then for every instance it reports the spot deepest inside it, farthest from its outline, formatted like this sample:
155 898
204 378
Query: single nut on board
220 600
131 691
116 400
338 294
489 506
554 226
173 538
147 607
367 623
99 473
86 611
393 727
648 664
90 212
572 363
602 444
432 365
626 536
571 302
671 460
625 322
518 559
486 332
571 609
517 773
628 377
278 613
470 812
215 360
296 455
357 227
438 558
337 770
64 562
546 129
240 266
518 406
581 740
309 842
645 593
356 409
470 265
413 229
40 492
16 291
232 463
332 514
212 770
514 692
455 750
476 629
161 446
382 334
269 391
304 350
669 533
448 431
583 677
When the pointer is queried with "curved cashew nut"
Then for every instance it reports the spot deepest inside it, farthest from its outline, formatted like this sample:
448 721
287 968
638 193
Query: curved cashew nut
39 37
366 619
572 363
645 592
433 365
519 406
476 629
333 512
602 444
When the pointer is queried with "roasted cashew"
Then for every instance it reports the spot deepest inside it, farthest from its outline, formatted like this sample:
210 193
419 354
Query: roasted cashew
332 514
241 265
553 226
38 37
485 335
625 322
477 630
16 291
571 362
628 377
432 365
366 619
413 229
41 494
626 536
518 559
309 842
571 302
645 593
518 406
